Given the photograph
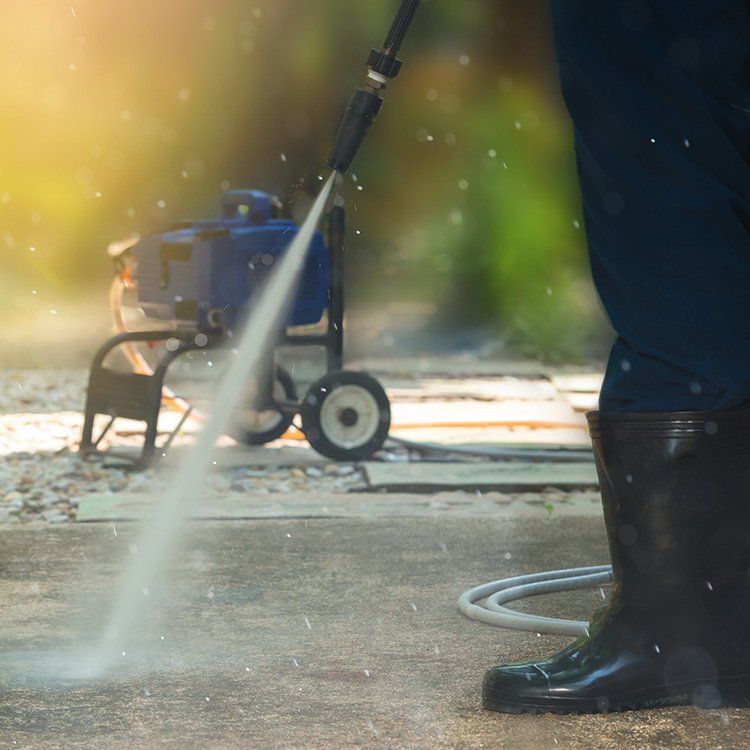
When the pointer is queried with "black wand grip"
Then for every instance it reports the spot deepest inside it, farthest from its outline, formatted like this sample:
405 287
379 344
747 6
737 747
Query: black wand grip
357 120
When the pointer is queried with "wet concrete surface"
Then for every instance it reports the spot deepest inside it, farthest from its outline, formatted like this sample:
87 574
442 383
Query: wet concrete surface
295 633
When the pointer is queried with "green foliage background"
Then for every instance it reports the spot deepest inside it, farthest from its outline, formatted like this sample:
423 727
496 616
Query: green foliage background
122 117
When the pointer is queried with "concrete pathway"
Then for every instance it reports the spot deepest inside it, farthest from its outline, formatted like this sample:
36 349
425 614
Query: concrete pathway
298 633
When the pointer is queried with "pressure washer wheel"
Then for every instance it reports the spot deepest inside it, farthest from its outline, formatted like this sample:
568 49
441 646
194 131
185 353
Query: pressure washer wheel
258 426
346 416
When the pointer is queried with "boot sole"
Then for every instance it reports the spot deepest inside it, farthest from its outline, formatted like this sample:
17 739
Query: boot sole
732 692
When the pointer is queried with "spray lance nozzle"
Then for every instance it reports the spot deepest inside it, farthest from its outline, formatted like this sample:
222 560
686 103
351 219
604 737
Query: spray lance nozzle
364 106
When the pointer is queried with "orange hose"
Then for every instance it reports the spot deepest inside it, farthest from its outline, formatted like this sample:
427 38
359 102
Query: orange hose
294 434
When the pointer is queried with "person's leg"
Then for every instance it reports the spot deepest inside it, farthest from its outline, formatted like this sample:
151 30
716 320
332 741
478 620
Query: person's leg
659 94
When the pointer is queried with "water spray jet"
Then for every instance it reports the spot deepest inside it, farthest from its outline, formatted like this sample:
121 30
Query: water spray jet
161 533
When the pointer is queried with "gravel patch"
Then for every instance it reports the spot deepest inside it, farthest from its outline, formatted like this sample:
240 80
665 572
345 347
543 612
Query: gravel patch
47 485
42 391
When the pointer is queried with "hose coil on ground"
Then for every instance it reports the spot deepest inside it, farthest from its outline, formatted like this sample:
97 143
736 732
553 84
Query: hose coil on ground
499 593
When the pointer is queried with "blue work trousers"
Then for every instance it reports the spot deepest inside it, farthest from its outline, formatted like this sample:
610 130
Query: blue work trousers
659 95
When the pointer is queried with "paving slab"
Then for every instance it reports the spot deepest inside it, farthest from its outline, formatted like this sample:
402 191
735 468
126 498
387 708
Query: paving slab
546 437
505 476
583 402
579 382
481 389
331 634
134 506
554 414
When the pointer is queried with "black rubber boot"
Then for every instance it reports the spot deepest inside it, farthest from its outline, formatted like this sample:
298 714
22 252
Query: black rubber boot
676 631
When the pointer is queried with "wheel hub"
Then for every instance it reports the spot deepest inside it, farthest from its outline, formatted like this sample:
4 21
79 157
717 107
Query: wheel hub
350 416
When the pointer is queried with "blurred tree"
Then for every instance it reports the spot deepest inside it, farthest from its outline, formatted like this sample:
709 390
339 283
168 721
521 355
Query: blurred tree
122 117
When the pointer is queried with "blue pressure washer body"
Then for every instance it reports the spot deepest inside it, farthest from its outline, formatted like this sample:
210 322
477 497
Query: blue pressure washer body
195 284
202 275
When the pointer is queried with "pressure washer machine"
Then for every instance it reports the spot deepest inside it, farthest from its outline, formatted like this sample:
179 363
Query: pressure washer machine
195 283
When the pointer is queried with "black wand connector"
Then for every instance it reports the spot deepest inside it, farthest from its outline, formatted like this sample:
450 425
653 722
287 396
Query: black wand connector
364 106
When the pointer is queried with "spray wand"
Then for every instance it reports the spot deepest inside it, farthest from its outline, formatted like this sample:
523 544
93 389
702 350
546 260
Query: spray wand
364 106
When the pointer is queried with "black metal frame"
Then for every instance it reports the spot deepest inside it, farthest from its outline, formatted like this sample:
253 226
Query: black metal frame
139 397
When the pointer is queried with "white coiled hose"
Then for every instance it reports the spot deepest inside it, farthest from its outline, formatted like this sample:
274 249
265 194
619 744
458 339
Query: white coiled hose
499 593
